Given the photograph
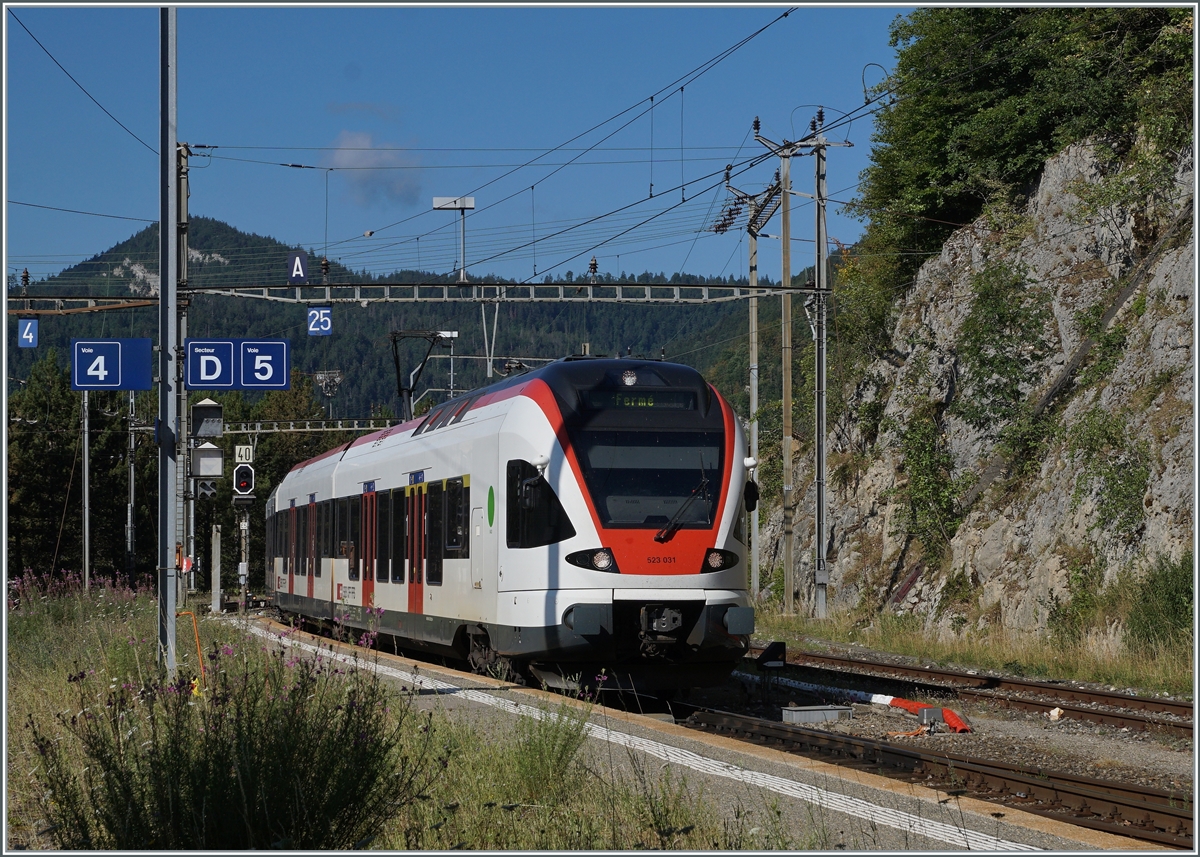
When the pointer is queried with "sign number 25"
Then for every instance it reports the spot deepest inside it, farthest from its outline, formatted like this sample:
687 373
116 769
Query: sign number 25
320 321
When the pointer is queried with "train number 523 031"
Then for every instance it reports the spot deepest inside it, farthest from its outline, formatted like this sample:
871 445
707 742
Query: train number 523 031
660 559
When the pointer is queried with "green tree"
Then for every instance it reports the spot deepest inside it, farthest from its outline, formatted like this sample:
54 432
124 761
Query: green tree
44 475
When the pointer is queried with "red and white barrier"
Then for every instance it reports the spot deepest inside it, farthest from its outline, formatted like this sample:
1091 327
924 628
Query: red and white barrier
954 722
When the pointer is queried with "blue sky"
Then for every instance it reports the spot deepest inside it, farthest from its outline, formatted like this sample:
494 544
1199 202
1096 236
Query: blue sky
396 105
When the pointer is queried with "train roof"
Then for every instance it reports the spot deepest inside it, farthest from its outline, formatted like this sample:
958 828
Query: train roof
580 385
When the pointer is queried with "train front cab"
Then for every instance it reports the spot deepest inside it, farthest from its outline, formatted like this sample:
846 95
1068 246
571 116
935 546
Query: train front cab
632 531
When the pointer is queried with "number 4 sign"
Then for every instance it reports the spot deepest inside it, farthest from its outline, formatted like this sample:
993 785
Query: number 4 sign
27 333
110 364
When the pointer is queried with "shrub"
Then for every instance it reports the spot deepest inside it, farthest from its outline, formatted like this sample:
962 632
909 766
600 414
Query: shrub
1000 343
545 760
1116 466
930 510
280 752
1071 619
1162 612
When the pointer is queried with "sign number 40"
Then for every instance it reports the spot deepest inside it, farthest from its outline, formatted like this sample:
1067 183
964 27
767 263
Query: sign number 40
320 321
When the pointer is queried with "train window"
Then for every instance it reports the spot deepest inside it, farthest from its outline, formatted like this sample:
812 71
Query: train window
318 537
434 533
648 479
353 529
343 521
322 543
535 515
383 532
287 542
330 515
457 517
301 540
399 510
739 522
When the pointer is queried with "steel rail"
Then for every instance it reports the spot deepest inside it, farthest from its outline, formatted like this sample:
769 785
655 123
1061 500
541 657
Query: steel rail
997 683
1141 813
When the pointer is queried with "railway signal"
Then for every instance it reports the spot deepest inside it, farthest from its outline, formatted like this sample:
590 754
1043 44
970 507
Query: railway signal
243 480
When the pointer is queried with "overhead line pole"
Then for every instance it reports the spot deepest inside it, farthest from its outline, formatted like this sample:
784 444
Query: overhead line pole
785 153
817 143
821 577
185 489
167 357
762 207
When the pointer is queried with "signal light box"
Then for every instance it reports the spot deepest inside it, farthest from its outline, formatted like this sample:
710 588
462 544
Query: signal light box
243 479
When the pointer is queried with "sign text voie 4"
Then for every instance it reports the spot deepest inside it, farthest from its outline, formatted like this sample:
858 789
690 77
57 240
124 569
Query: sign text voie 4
237 364
110 364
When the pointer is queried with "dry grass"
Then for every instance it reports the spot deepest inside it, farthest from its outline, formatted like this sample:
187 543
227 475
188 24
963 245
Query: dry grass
533 784
1155 669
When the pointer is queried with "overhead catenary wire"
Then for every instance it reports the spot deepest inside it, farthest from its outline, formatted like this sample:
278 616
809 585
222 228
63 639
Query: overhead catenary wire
80 85
849 117
690 76
77 211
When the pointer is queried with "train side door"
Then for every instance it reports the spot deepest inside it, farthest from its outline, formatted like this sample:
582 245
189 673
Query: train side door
415 502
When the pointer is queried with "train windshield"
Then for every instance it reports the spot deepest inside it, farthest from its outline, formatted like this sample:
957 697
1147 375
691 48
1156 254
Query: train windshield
648 479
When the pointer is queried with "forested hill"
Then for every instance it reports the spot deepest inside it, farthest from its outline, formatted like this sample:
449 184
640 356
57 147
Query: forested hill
222 256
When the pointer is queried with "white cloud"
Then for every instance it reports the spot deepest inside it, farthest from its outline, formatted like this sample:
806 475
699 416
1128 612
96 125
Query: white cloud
370 171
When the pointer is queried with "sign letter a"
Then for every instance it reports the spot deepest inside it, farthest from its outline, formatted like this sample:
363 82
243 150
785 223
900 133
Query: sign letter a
297 262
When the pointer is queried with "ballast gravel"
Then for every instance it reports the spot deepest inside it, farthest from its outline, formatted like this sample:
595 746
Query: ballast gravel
1077 747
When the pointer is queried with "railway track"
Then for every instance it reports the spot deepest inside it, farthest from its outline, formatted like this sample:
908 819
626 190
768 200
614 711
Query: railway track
1122 710
1148 814
1142 813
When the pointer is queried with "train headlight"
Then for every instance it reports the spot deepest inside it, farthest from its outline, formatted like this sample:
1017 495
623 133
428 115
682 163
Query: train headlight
596 559
718 560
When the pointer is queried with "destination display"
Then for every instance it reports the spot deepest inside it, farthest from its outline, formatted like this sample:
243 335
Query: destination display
677 400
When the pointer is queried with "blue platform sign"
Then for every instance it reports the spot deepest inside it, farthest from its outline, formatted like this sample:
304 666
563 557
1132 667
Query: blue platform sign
111 364
320 320
27 334
237 364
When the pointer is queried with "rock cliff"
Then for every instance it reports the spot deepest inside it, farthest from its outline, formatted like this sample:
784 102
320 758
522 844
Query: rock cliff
1034 418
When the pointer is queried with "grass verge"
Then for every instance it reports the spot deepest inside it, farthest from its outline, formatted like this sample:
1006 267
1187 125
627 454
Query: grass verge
1156 666
268 749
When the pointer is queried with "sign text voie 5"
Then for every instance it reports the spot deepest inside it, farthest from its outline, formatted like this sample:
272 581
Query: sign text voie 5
237 364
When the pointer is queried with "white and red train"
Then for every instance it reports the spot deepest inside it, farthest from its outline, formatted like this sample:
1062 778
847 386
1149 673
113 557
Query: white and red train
584 517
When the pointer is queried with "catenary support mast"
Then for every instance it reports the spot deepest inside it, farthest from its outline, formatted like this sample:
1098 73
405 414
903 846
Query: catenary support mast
168 359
